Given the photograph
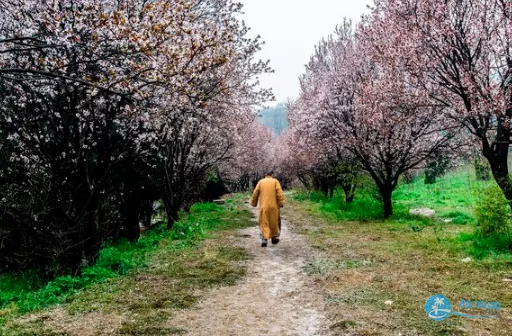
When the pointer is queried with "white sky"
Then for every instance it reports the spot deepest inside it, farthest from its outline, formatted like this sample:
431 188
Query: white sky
291 29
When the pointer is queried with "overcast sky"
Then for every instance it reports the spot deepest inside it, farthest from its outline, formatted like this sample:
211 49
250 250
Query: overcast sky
291 29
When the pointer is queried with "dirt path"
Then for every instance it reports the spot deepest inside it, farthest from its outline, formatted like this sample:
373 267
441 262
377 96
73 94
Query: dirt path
275 298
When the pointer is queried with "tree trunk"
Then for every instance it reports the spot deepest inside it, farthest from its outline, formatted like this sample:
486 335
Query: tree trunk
132 221
132 204
92 242
504 182
303 178
331 192
497 155
350 191
430 176
171 211
71 260
387 192
146 213
324 187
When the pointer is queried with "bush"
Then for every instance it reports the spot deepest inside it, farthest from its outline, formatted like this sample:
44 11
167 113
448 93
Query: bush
492 213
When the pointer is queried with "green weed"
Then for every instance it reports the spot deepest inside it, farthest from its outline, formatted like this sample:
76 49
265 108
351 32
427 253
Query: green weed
493 213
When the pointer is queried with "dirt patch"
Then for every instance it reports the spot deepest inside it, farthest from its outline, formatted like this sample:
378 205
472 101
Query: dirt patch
88 324
276 297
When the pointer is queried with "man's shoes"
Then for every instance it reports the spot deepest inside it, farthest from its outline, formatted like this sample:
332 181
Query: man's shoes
263 243
275 240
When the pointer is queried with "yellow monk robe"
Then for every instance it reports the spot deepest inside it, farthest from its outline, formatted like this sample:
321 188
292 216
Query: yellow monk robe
271 198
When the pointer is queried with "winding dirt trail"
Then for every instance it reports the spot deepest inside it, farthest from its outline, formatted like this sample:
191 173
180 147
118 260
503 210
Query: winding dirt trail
275 298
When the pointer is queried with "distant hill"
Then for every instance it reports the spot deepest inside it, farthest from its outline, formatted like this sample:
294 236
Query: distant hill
274 118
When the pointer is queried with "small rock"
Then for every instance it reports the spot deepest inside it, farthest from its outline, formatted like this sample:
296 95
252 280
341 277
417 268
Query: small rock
507 280
466 260
388 302
424 212
448 220
220 201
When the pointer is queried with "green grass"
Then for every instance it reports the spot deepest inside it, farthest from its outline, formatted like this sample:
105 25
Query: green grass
159 253
363 208
25 292
454 198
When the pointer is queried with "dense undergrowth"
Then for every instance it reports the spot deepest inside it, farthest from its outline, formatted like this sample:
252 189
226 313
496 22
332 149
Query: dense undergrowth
27 292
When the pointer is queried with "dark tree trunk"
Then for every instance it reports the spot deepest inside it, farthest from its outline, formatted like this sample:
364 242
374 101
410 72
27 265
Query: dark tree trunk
497 155
430 177
350 191
146 213
85 203
91 231
132 221
387 192
94 231
500 174
324 187
303 178
132 203
71 260
171 210
331 191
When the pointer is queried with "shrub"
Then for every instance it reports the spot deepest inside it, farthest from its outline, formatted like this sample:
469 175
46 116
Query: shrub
492 213
482 170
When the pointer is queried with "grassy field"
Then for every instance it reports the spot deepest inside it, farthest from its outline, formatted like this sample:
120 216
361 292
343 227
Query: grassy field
377 274
135 287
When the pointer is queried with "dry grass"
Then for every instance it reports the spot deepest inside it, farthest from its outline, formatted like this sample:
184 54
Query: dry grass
395 269
144 302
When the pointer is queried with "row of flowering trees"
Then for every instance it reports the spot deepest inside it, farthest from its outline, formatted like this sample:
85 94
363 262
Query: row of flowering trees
412 80
109 105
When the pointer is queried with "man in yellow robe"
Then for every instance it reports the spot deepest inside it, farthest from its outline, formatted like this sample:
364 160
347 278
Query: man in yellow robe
270 195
